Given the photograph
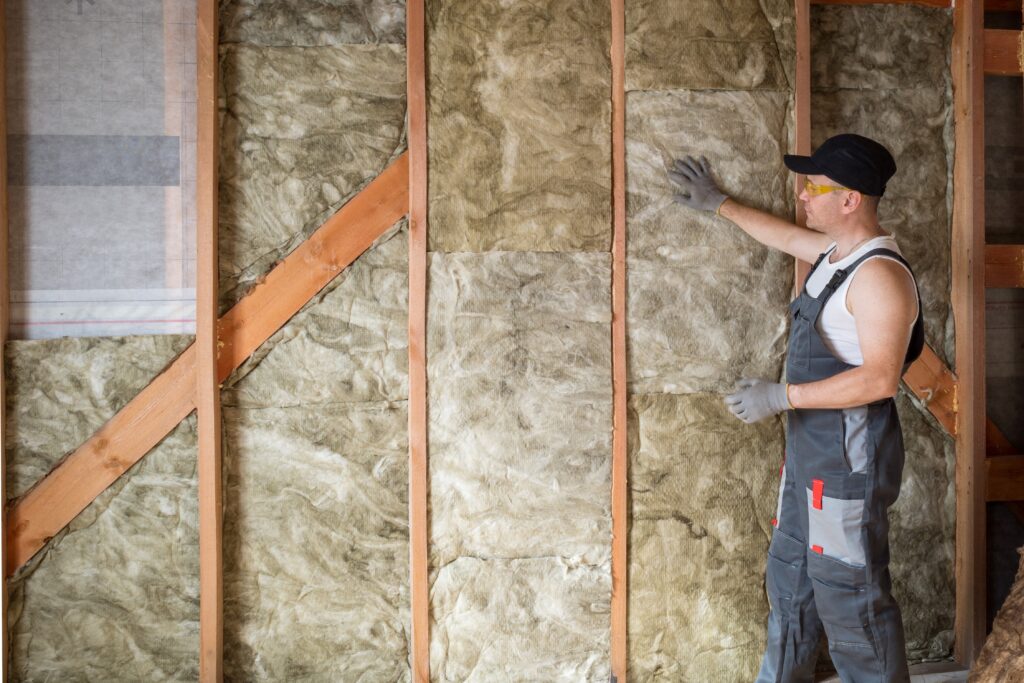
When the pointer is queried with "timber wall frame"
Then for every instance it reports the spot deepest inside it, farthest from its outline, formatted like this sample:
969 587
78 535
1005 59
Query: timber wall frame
192 380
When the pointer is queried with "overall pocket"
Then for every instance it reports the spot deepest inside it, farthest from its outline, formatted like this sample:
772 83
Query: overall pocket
835 518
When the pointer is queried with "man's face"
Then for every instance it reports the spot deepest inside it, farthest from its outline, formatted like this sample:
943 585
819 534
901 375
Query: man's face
822 209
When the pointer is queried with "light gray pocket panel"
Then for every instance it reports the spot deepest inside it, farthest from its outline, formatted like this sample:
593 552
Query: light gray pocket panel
855 438
834 530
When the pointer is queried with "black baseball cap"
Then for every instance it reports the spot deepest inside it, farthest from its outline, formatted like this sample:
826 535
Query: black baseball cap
851 160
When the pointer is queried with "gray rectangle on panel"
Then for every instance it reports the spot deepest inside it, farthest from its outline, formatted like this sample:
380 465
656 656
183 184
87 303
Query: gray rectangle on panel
94 160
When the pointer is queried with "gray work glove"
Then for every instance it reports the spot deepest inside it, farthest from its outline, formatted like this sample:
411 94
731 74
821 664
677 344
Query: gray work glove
756 399
696 186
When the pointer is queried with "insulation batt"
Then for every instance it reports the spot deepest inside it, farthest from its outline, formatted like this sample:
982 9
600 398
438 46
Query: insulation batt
316 538
1001 658
519 402
131 551
520 125
303 129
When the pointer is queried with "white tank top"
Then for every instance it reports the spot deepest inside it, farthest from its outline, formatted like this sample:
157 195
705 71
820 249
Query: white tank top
835 324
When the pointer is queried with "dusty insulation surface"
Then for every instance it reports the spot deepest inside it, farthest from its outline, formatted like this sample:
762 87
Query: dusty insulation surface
1001 658
115 595
707 306
520 400
702 512
520 141
519 359
303 127
709 45
315 473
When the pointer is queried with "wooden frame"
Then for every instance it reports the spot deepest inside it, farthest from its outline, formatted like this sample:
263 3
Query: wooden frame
207 399
72 484
968 293
1002 52
418 481
1004 265
620 453
4 317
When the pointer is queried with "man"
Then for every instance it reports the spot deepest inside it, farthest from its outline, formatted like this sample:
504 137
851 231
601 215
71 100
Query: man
854 328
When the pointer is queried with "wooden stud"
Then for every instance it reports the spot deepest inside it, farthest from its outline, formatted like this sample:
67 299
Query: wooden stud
5 300
207 400
802 107
1004 265
968 294
620 454
418 482
1002 52
1004 478
35 517
935 385
996 442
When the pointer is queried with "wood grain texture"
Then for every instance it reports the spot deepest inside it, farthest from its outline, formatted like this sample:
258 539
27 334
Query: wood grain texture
802 114
1004 478
620 455
1004 265
968 295
75 482
1002 52
4 317
935 386
207 400
418 483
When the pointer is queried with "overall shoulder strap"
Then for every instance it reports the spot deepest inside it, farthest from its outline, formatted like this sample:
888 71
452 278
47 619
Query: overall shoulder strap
817 262
916 345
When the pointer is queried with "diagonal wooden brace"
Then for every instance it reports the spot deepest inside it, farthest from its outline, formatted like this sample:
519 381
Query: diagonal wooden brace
50 505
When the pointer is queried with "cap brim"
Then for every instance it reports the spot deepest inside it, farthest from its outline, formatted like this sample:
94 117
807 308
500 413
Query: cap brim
801 164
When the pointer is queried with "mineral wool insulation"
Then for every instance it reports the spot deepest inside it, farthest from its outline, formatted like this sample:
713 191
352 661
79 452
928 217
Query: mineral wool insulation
315 447
519 362
518 351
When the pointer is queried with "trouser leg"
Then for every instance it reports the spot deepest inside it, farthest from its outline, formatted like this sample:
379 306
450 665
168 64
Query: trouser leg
861 619
793 625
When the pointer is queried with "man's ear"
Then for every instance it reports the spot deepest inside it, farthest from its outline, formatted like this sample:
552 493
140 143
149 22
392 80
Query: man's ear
852 201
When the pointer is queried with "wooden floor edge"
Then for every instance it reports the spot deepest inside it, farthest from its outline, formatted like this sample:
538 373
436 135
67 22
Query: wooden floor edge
60 496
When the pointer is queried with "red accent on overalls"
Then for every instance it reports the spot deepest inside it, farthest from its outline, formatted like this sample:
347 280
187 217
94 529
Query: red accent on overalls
819 488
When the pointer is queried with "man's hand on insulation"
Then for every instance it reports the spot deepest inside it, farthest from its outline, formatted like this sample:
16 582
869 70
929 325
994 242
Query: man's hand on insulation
756 399
696 186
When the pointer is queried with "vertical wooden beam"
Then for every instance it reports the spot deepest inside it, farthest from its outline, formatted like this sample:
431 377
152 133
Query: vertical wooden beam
4 317
207 386
802 113
417 106
968 262
620 455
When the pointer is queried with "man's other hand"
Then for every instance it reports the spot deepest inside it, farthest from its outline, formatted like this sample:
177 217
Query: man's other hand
696 186
756 399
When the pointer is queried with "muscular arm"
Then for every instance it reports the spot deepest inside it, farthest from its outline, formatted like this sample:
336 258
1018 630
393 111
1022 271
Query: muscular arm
774 232
883 301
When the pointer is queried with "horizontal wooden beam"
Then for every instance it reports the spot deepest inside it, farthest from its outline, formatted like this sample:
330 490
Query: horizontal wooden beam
935 385
1004 265
1004 476
1002 52
61 495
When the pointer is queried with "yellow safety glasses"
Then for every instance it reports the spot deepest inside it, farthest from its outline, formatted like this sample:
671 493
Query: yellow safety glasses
816 190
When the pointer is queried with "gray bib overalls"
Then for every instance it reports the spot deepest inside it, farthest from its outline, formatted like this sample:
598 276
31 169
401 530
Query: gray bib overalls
828 562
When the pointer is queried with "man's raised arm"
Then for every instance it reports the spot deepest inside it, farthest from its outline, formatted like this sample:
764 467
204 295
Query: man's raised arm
697 189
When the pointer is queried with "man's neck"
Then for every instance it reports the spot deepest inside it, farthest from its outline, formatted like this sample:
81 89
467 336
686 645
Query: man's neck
852 236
